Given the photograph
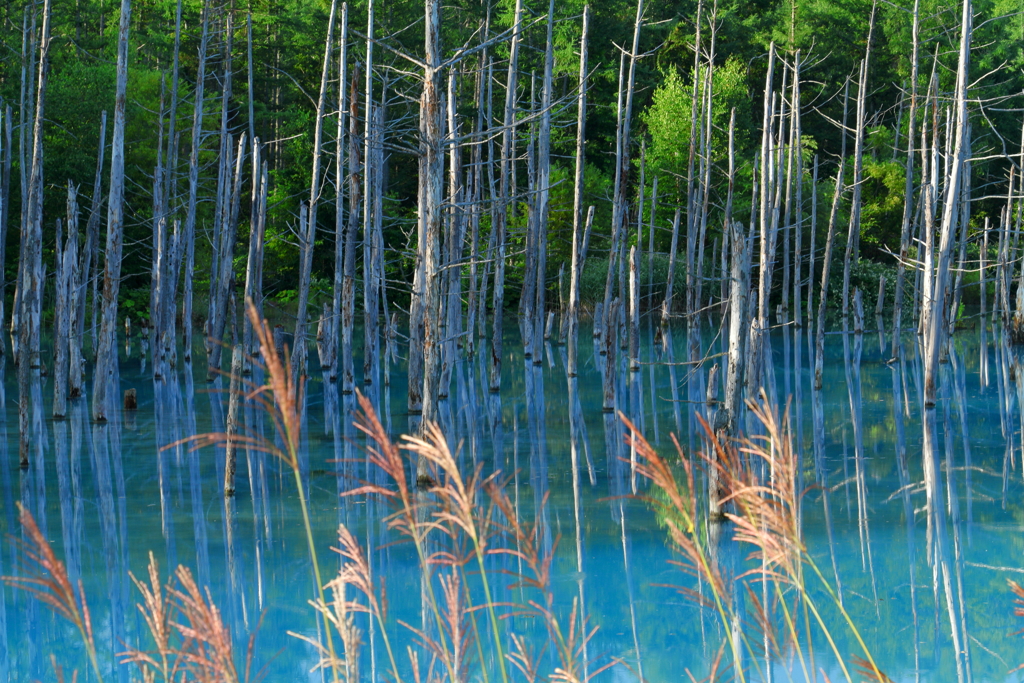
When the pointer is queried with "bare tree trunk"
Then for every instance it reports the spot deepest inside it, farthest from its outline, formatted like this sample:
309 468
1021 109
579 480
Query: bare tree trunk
819 343
937 330
233 427
634 311
452 304
5 205
908 202
32 233
62 340
330 362
740 285
760 324
307 233
226 252
432 172
193 187
814 234
501 237
348 290
370 176
666 307
106 357
254 261
543 186
375 294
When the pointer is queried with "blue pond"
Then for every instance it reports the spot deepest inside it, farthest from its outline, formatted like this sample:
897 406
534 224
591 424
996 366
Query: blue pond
108 495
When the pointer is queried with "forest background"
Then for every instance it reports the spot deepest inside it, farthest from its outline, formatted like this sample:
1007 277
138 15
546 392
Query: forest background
282 44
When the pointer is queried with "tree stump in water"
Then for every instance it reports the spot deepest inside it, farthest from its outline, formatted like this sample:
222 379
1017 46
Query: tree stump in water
131 400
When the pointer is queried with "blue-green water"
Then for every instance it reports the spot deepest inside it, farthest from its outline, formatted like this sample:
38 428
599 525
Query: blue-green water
107 495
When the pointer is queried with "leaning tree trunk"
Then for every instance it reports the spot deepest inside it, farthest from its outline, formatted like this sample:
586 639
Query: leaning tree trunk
938 330
106 356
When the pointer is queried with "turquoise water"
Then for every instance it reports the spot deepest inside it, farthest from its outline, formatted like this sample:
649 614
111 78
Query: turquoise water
107 495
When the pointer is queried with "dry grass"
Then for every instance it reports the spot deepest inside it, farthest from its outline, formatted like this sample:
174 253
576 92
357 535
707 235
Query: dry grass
764 513
47 580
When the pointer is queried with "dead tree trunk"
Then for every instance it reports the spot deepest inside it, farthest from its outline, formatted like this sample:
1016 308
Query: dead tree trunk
68 258
329 363
31 286
937 331
226 252
233 427
543 188
193 188
5 205
106 357
432 172
348 287
306 237
908 201
254 262
501 238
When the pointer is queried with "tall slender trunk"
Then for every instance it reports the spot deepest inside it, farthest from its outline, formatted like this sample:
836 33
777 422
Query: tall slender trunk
6 137
355 189
254 261
331 362
307 233
369 217
938 330
106 357
32 232
432 174
224 238
543 187
908 201
193 186
501 215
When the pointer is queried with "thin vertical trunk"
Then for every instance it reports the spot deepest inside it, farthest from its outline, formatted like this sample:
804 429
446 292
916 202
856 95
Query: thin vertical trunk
908 201
193 186
226 252
758 327
666 307
254 261
634 311
799 206
501 224
369 183
306 236
814 235
224 238
106 356
432 174
543 186
330 363
6 138
67 257
819 340
32 232
233 427
348 289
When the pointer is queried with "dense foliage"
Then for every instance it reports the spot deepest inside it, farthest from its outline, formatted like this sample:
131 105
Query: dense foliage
287 44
